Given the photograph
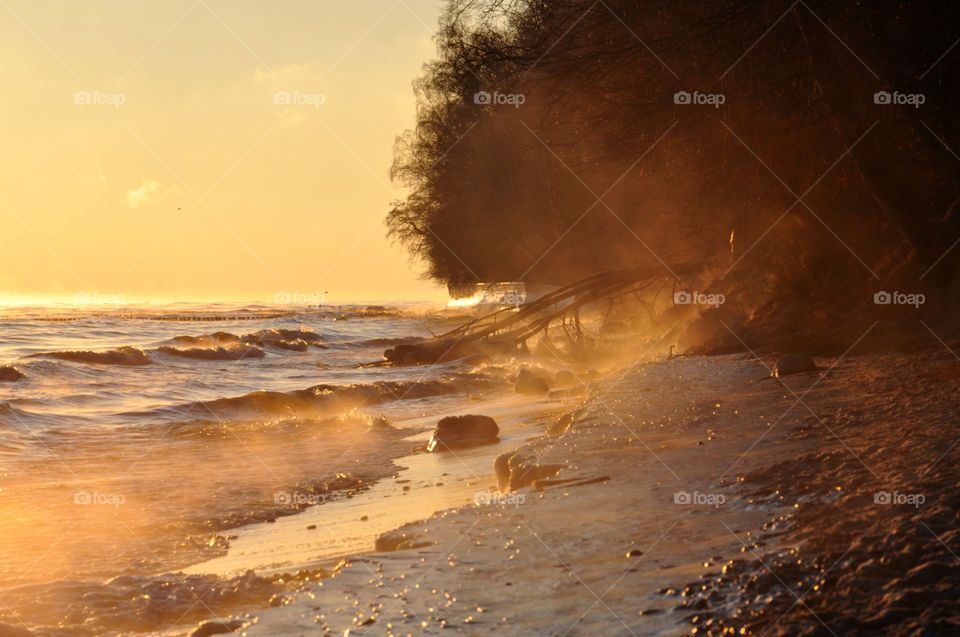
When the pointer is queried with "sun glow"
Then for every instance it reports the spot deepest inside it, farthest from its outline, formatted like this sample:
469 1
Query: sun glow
177 170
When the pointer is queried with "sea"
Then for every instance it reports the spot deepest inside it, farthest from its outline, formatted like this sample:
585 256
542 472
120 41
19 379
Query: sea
139 438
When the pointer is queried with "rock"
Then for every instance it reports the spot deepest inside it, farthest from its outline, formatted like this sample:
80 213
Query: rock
397 540
428 352
565 378
515 471
530 383
215 627
6 630
795 363
11 374
464 431
380 422
562 425
501 467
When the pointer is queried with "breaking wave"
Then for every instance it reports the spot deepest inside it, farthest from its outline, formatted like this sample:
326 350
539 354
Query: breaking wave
330 398
139 603
220 353
220 346
128 355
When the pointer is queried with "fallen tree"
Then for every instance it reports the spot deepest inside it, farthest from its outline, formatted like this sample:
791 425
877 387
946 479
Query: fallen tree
508 329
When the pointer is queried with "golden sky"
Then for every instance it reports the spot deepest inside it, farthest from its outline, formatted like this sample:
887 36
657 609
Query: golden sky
205 149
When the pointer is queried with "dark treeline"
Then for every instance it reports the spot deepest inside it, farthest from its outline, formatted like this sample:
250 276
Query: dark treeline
798 196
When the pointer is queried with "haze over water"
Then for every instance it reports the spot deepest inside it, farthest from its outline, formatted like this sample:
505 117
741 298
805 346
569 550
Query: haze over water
131 439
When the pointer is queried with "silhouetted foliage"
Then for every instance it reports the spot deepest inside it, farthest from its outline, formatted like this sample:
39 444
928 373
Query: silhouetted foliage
510 192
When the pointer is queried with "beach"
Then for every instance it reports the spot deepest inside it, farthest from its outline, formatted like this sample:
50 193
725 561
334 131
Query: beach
708 517
475 317
150 453
665 495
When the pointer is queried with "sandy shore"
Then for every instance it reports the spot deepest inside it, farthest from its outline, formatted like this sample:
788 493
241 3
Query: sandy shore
699 486
578 559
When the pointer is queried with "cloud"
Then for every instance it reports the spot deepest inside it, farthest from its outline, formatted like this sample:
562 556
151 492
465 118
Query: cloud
149 190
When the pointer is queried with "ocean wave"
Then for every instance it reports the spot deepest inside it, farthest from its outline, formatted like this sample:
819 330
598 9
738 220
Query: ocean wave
296 340
139 603
40 367
308 336
205 340
128 355
326 398
220 353
220 346
21 427
11 416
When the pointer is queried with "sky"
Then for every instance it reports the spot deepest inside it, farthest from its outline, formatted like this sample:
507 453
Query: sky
206 149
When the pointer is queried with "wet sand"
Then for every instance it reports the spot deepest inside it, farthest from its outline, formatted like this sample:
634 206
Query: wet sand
320 536
580 559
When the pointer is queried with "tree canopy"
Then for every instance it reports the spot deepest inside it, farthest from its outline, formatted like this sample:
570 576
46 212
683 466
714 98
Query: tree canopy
748 140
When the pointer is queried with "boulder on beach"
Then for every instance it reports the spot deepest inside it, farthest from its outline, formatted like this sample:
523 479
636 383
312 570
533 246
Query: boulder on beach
428 352
471 430
562 424
515 471
380 423
530 383
10 373
794 363
6 630
397 540
216 627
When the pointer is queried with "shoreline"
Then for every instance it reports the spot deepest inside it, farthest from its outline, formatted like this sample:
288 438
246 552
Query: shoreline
618 524
422 484
752 513
684 495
